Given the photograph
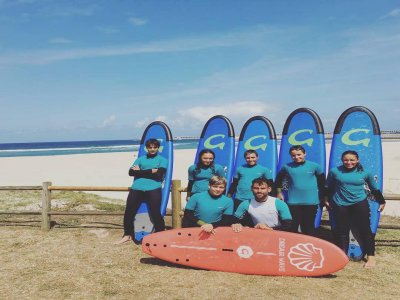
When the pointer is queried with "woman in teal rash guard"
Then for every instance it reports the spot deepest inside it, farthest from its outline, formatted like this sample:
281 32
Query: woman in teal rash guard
346 187
148 171
306 186
209 209
200 173
244 175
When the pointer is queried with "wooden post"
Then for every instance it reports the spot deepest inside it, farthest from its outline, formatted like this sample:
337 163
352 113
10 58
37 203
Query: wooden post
46 205
176 204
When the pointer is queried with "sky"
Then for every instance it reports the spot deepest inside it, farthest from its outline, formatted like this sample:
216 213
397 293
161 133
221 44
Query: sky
103 70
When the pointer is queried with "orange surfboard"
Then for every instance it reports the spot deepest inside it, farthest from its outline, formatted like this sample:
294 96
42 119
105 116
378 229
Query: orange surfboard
251 251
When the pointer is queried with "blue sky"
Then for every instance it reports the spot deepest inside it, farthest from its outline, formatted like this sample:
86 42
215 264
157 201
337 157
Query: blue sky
89 70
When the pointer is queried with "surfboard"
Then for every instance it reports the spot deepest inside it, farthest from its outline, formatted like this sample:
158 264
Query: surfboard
218 135
251 251
358 129
258 134
143 225
303 127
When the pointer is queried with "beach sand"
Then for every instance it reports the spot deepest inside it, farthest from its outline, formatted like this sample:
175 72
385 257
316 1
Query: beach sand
111 169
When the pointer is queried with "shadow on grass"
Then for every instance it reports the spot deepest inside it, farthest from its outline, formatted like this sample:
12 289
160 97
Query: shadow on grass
158 262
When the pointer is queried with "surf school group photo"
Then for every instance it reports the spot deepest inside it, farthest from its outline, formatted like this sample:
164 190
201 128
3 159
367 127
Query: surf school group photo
249 212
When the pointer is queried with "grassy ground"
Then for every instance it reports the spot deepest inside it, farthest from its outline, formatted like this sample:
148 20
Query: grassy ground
78 260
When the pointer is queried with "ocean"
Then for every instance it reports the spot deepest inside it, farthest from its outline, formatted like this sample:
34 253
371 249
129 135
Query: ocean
81 147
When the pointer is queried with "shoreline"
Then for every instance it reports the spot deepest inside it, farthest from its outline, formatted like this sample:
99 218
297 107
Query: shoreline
111 170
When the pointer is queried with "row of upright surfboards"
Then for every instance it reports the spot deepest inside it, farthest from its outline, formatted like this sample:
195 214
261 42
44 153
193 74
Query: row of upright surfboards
356 129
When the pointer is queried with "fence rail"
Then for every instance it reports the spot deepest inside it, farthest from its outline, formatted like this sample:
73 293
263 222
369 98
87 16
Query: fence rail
47 187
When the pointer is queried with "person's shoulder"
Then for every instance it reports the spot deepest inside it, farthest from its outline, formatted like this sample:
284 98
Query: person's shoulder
218 166
192 167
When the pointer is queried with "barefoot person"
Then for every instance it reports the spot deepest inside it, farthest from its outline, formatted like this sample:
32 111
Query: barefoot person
148 172
209 209
306 185
263 211
346 187
244 175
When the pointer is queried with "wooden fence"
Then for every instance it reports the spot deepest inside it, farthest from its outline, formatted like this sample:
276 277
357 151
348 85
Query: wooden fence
47 187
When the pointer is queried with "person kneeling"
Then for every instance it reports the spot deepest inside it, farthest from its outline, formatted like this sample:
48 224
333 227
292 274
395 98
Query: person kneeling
263 211
209 209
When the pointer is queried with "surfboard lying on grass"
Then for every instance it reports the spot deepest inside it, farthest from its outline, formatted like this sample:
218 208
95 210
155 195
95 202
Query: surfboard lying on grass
218 135
251 251
143 225
303 127
358 129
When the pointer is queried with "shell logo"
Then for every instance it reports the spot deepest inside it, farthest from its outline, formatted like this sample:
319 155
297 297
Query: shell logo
306 257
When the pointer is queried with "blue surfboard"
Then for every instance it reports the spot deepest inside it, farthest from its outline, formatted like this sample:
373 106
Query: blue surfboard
303 127
358 129
218 135
143 225
258 134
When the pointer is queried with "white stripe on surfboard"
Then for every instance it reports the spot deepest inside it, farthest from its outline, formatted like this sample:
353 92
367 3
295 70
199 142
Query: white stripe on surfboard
266 253
193 247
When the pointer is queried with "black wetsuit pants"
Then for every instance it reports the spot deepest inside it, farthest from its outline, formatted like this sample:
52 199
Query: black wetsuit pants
135 199
358 214
303 215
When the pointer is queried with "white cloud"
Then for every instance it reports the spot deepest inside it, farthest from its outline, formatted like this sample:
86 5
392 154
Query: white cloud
109 121
60 40
137 21
392 14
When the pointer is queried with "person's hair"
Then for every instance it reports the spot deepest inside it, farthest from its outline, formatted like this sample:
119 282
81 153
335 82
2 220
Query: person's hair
199 164
251 151
359 166
152 142
261 181
297 148
217 180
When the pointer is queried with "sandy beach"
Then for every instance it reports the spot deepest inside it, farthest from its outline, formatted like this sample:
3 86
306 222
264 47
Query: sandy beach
111 169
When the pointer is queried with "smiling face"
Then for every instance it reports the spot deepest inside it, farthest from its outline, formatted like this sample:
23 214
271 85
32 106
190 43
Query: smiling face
298 156
216 189
251 159
350 161
260 191
207 159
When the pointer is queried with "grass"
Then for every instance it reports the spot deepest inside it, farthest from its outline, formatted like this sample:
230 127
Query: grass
78 260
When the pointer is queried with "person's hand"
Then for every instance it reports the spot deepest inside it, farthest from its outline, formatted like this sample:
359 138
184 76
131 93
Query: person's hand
327 204
237 227
280 196
136 168
154 171
209 228
381 207
263 226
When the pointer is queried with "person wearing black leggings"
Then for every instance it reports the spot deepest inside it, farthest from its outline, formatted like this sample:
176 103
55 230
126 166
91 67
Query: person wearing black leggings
148 172
346 187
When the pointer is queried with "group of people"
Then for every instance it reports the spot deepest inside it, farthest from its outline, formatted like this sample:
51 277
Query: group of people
255 200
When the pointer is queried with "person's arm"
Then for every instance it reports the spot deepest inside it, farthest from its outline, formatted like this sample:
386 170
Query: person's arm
285 218
226 220
156 174
278 184
376 192
321 182
233 187
285 225
189 189
189 215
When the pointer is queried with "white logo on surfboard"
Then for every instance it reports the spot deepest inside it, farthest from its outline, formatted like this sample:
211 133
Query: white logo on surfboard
306 257
245 252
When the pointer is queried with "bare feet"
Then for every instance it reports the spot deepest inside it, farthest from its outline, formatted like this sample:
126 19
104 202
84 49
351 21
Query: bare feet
125 239
371 262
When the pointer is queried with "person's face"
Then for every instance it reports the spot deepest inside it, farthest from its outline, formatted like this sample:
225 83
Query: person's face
216 189
207 159
298 156
251 159
260 191
350 161
152 149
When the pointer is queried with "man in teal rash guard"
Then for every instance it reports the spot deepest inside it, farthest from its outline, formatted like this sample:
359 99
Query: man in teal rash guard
263 211
149 171
306 189
209 209
244 175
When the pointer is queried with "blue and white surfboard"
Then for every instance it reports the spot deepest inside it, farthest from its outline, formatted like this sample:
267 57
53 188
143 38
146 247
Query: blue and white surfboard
258 134
303 127
143 225
218 135
357 129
